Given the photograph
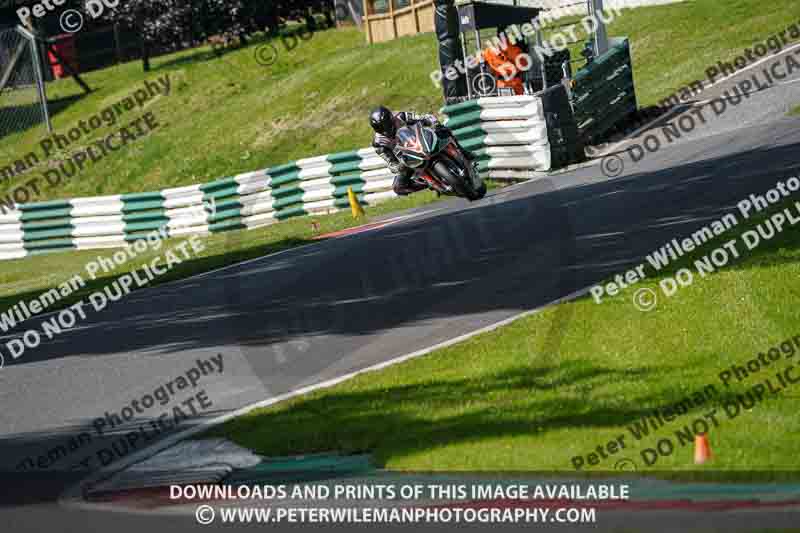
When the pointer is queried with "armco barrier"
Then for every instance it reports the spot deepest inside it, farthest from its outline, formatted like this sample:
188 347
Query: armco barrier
603 93
309 186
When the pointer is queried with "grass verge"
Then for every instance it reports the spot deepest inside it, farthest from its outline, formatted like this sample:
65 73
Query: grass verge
510 400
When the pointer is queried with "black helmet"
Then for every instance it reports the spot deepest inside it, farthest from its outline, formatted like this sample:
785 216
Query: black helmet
382 121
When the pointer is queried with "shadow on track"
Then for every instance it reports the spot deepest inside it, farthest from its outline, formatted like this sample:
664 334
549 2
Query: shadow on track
492 256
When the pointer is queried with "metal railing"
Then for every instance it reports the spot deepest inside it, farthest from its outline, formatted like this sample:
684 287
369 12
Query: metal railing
23 102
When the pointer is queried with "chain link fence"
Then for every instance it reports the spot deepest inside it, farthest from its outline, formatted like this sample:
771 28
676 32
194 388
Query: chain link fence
23 104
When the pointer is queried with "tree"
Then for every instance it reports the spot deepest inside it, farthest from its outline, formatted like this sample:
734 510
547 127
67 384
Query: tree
178 24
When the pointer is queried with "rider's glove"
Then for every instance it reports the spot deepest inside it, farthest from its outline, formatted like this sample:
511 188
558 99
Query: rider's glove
396 168
441 130
430 121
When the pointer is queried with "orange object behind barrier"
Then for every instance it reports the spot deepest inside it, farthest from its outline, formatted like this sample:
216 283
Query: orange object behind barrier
65 46
504 66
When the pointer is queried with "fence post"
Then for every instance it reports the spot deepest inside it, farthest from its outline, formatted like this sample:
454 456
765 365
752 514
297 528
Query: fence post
600 35
145 49
37 69
543 62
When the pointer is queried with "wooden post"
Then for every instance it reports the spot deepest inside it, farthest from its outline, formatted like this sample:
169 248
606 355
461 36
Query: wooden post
145 55
367 21
394 22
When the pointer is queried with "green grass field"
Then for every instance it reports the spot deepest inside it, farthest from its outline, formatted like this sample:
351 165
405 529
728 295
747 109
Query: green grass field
673 45
514 399
795 111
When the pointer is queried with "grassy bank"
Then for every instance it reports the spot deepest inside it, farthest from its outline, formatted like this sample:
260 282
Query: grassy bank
226 115
512 400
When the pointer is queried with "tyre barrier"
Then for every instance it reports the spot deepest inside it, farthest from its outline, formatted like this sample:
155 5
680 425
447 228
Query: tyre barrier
524 137
316 185
508 134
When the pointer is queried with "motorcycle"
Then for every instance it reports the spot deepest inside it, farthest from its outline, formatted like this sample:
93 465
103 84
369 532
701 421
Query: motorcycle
438 163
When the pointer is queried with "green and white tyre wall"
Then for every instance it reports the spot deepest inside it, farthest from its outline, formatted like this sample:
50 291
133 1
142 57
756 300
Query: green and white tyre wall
317 185
508 133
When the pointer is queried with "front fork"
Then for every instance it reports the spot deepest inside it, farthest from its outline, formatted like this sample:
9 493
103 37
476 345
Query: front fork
471 167
452 150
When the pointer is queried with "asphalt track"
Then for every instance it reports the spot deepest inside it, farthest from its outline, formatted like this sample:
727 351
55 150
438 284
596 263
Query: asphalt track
325 310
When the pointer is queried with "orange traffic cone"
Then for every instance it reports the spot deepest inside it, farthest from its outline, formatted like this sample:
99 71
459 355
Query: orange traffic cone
702 450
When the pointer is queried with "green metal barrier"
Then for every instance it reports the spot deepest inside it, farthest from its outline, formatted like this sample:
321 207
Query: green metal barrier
603 94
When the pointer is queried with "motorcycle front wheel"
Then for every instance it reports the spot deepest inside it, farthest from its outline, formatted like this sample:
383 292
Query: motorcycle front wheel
461 188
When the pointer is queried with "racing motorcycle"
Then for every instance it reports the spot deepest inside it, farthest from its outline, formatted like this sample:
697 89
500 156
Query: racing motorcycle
438 163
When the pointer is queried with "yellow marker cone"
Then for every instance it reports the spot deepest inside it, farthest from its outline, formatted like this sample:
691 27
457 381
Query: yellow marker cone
355 206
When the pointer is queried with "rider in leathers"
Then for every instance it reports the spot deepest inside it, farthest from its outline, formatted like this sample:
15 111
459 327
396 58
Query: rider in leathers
385 123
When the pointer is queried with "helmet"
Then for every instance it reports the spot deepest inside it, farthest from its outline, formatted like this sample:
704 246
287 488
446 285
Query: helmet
382 121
